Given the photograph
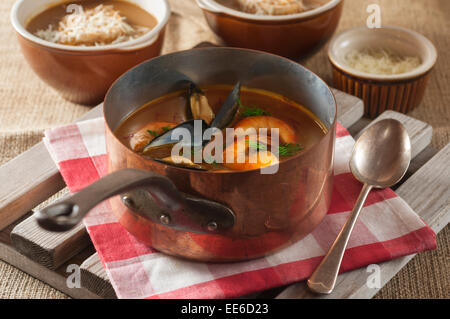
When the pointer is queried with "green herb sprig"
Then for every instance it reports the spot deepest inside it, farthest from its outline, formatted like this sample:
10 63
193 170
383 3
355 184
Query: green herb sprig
257 146
155 134
152 133
247 111
289 149
285 150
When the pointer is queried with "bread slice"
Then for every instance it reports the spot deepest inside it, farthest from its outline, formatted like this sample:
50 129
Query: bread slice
272 7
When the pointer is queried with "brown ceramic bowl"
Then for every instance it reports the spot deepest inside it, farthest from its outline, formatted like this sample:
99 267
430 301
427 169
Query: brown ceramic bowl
84 74
291 35
399 92
226 216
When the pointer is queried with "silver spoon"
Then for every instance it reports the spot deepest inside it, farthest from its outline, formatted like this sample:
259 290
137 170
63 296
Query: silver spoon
380 158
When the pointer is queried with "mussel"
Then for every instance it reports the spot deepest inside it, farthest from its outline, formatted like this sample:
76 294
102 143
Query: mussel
191 132
198 104
182 162
229 109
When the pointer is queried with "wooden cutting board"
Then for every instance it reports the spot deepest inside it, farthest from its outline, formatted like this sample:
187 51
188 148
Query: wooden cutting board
46 255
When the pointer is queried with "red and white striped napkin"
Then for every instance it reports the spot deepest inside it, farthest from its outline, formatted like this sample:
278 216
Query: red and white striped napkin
387 228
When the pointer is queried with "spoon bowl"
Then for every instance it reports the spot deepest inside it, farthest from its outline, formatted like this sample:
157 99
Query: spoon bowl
382 154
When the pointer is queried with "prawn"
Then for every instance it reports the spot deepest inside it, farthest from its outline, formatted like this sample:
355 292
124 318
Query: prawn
254 158
286 132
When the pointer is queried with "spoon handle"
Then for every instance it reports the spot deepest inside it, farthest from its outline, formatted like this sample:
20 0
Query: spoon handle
324 277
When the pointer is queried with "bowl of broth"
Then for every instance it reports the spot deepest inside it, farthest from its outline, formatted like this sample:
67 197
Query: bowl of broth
291 28
80 47
217 154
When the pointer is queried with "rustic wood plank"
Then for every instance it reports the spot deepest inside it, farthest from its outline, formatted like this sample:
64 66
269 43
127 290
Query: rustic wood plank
94 278
47 248
20 192
421 159
54 279
350 108
428 191
359 126
428 194
6 232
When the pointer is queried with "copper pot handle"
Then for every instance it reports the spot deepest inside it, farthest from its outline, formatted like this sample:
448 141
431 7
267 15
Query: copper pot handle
147 194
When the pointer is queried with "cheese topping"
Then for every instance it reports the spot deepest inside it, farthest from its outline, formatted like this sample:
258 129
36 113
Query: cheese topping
98 26
381 61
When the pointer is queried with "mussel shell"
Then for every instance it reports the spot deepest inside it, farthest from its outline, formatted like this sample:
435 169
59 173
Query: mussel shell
197 105
186 164
175 135
160 151
229 109
194 89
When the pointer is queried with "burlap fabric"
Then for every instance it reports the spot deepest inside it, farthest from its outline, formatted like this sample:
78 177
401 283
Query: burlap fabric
28 106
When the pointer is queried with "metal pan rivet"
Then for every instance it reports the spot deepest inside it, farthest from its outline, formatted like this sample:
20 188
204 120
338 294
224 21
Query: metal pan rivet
128 201
212 226
164 219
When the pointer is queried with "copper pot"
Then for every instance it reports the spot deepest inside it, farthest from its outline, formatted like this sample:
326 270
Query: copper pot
203 215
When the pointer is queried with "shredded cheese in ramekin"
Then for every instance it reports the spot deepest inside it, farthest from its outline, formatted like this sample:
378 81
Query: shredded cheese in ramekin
381 61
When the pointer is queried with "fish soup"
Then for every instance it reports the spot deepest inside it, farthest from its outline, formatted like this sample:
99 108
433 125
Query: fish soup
148 130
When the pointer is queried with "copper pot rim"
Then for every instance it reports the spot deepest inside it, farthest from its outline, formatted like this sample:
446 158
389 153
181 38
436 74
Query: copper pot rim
285 162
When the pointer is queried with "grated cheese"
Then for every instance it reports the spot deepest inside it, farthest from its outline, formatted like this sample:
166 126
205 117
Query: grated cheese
98 26
381 61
